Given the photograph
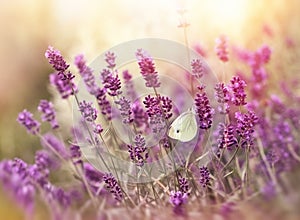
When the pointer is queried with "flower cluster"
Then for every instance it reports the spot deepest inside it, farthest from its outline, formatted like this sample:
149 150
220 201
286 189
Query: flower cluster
158 105
226 139
147 68
177 199
221 48
113 186
183 185
204 110
64 80
110 59
245 127
88 112
257 61
197 68
138 153
130 92
223 97
86 73
204 176
238 91
48 113
125 109
26 119
266 126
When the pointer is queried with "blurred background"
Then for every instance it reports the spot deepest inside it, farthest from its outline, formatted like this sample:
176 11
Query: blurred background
91 27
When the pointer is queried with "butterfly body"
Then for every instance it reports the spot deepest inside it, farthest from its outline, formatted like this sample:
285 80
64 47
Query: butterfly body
184 128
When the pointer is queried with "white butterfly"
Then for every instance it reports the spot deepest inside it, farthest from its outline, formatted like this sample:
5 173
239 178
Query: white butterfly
184 128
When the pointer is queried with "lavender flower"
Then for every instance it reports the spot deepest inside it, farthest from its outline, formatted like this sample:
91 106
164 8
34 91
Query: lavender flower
157 123
103 103
52 143
93 177
165 142
221 48
203 109
140 117
15 181
222 93
183 185
158 105
238 89
97 129
87 74
48 113
56 59
177 199
152 105
166 105
75 154
25 118
64 87
197 68
125 109
105 74
147 68
223 97
130 92
245 127
226 137
87 111
59 64
44 160
204 176
113 85
113 186
138 152
110 59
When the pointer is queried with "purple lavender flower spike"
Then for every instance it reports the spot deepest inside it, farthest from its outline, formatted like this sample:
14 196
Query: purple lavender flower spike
56 59
226 138
113 85
103 103
158 106
25 118
75 154
204 110
223 97
44 160
87 74
48 113
130 92
97 129
147 68
59 64
183 185
125 110
238 91
166 105
64 87
51 142
113 186
87 111
138 152
197 68
178 199
110 59
204 176
140 117
245 127
14 179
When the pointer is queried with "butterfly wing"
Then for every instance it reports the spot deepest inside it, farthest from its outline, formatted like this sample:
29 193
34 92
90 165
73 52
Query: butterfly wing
184 128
